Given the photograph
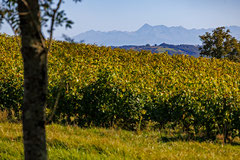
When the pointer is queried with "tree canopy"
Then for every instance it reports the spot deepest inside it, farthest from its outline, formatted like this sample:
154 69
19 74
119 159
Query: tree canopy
220 44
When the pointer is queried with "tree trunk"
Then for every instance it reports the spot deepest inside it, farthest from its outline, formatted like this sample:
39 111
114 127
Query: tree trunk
34 56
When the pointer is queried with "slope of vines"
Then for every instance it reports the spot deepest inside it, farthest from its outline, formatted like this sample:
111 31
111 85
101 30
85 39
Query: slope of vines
107 87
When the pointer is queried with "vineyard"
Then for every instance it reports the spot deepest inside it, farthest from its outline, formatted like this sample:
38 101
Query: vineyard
99 86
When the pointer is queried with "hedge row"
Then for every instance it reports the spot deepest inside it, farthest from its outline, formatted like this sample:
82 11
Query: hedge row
100 86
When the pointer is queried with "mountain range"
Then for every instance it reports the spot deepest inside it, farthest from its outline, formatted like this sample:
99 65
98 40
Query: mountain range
148 34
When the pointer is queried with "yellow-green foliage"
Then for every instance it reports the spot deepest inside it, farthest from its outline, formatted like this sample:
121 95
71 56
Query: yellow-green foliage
104 87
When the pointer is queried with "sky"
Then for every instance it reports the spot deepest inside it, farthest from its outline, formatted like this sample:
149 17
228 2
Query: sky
130 15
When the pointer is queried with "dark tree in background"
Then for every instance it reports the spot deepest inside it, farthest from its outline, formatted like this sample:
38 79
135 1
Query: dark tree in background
26 18
220 44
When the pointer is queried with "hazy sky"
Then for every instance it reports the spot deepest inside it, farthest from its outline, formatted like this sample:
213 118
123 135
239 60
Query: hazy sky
129 15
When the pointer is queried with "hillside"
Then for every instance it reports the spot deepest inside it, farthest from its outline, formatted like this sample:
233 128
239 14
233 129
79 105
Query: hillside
191 50
148 34
117 88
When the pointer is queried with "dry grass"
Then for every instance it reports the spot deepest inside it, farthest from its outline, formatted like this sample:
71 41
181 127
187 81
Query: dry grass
3 115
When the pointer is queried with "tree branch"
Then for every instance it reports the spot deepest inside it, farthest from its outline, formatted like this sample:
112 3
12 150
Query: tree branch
52 23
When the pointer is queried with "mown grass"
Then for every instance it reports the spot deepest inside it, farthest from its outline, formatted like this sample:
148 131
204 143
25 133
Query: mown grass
69 142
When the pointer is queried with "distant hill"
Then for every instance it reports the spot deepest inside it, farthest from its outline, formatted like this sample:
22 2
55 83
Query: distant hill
191 50
148 34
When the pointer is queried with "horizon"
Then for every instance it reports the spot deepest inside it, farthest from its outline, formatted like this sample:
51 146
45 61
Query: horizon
159 25
125 15
148 34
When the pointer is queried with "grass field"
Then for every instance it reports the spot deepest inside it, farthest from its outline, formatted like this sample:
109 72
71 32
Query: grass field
69 142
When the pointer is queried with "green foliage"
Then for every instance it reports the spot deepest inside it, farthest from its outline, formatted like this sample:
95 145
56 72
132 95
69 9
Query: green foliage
220 44
106 104
100 86
11 81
